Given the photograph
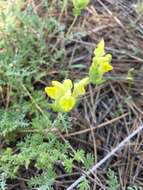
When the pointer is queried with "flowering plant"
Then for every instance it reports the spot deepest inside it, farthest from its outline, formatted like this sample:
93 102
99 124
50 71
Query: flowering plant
100 64
65 95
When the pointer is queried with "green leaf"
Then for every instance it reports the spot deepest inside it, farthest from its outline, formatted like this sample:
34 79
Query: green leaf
79 155
78 66
79 5
68 164
112 180
84 185
89 161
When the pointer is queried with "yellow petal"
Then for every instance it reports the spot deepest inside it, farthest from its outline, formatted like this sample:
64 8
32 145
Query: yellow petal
78 91
85 81
79 87
52 92
108 57
67 103
67 84
99 62
105 67
57 84
59 88
99 51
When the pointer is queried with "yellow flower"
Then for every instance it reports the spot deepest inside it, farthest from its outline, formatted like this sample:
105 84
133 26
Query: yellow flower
67 84
105 67
100 50
100 64
52 92
65 94
61 93
58 89
103 64
79 87
67 102
97 61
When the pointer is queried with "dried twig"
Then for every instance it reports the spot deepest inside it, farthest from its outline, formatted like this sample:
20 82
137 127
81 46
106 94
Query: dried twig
118 147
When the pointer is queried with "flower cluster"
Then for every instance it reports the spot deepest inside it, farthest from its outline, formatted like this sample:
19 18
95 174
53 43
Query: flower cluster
65 94
100 64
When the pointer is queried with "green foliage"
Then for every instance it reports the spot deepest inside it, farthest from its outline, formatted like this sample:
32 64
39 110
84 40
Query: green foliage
27 127
16 116
68 164
8 163
79 5
45 151
62 120
88 160
25 123
9 121
44 181
112 180
113 183
84 185
79 155
24 46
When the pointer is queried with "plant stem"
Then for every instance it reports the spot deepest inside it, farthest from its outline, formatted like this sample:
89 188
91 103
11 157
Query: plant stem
71 26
